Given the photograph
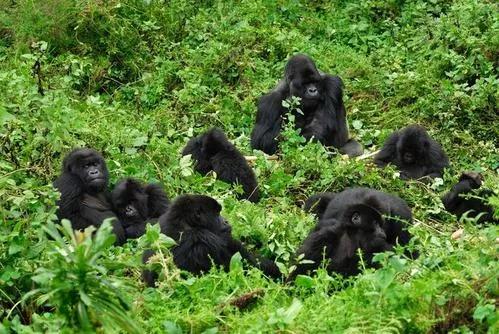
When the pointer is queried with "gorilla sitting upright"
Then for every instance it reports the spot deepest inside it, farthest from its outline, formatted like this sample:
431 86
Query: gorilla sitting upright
212 151
204 238
322 115
83 187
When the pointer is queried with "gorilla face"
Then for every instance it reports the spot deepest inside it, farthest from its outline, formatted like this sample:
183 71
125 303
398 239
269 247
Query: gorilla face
89 167
304 81
364 228
130 202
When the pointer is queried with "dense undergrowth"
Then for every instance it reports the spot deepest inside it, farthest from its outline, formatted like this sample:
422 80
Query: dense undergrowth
135 79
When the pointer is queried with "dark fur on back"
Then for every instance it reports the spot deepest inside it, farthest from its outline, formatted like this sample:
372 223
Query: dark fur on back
383 219
212 151
459 201
203 238
323 114
82 202
427 156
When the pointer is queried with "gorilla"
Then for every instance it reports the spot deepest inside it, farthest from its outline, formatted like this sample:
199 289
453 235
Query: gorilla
203 238
212 151
322 115
83 187
414 153
136 205
456 201
357 218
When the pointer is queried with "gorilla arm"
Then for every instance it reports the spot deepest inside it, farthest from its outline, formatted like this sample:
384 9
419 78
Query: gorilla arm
269 119
95 210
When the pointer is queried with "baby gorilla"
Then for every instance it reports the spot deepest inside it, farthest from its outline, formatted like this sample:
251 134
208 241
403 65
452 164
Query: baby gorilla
213 152
83 187
339 234
414 153
136 205
203 237
456 201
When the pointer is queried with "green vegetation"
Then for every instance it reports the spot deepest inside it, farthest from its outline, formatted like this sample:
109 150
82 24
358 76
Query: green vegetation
136 78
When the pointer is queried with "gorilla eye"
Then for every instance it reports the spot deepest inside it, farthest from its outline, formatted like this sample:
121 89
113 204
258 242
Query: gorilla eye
356 218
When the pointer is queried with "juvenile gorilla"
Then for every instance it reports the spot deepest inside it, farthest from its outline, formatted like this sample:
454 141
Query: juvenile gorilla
213 152
414 153
457 202
203 238
83 187
323 118
357 218
137 204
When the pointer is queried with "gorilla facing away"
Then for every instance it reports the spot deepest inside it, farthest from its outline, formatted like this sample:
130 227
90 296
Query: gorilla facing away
137 204
212 151
83 187
414 153
458 200
203 237
356 219
323 114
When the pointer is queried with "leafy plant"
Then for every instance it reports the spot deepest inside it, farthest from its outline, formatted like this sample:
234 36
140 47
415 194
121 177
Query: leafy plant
76 284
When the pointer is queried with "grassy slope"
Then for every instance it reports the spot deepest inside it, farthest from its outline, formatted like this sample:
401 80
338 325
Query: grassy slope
136 81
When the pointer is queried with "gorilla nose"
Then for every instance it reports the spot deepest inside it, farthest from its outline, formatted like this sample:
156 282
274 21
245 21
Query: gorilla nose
94 172
312 90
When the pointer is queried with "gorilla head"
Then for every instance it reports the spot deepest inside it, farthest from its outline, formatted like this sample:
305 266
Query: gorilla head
130 201
304 81
414 152
413 146
89 167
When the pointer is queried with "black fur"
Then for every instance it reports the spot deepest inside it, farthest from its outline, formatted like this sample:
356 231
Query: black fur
213 152
414 153
335 239
83 187
137 204
323 118
203 238
456 201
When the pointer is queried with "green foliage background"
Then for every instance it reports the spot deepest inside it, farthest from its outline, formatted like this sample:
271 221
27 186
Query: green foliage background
136 79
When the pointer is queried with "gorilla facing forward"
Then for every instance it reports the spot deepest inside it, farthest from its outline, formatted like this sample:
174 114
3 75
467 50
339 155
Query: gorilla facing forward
322 116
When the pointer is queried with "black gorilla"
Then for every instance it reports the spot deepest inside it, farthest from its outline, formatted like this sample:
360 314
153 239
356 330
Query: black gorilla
203 238
456 201
357 218
323 113
213 152
83 187
136 205
414 153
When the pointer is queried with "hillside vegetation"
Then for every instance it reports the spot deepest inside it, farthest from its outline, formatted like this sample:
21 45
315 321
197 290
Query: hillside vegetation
135 79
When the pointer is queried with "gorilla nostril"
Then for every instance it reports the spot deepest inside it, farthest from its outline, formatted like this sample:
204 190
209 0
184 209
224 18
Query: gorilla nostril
312 90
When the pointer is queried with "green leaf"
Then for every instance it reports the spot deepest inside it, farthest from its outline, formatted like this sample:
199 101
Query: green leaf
172 328
304 281
236 262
